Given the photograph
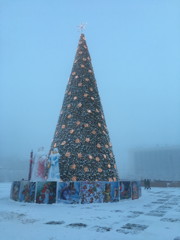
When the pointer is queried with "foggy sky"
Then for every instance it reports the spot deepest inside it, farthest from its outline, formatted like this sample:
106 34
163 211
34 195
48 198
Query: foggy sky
135 51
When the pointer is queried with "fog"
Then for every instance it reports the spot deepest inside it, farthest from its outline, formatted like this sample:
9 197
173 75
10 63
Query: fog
135 51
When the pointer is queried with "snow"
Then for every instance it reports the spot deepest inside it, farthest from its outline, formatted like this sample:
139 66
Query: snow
155 216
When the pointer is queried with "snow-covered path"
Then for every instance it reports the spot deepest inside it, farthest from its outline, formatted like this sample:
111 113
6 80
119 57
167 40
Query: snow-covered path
155 216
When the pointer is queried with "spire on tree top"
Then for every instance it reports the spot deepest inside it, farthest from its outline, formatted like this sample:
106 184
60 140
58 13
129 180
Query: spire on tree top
82 27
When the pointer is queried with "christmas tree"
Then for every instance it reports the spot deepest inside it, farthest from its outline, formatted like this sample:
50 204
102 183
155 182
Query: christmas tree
81 134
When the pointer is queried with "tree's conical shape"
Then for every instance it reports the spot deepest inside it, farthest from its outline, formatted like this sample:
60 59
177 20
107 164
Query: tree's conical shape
81 135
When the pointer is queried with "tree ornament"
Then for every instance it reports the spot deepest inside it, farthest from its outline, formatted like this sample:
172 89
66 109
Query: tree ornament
98 145
77 140
97 159
73 166
79 155
63 143
71 131
68 154
79 105
90 157
78 123
69 105
69 116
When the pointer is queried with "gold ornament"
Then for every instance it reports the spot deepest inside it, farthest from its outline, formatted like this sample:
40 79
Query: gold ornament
55 145
86 125
68 154
69 105
79 155
98 145
69 93
74 73
87 139
110 180
97 110
84 59
74 178
75 98
78 122
79 84
85 94
106 146
86 169
69 116
77 140
90 157
88 110
80 52
104 155
109 166
87 79
63 143
91 89
94 132
114 179
99 124
97 159
73 166
111 154
63 126
88 58
90 71
71 131
79 105
82 66
85 46
76 76
92 98
100 170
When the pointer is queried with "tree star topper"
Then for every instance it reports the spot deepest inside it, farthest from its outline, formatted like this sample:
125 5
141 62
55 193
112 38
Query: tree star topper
82 27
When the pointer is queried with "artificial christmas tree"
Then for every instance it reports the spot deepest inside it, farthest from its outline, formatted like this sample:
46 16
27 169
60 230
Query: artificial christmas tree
81 134
80 167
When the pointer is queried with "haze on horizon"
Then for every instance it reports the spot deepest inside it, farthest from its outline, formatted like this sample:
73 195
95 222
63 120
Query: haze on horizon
135 51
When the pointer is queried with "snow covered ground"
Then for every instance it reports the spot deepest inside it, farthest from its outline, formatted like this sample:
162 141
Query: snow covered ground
155 216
